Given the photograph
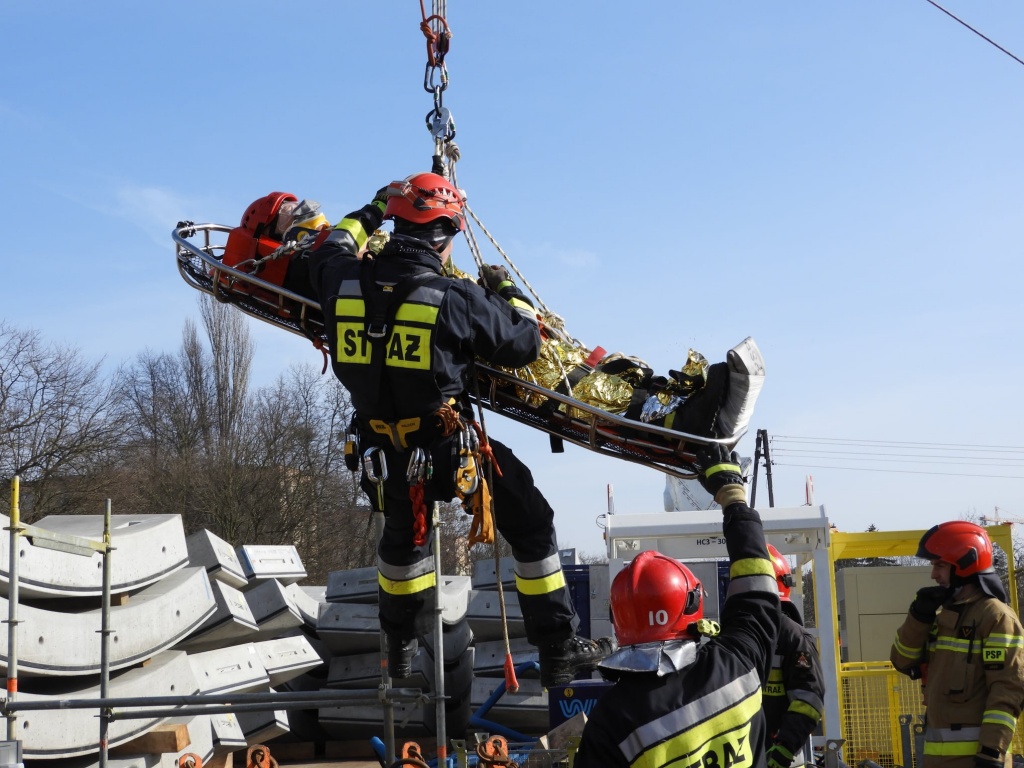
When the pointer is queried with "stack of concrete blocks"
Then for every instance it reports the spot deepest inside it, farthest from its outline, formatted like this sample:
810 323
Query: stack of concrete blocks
179 624
526 710
259 638
349 626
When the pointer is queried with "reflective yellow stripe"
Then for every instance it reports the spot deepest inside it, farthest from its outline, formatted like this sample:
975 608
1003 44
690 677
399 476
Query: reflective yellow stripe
950 748
726 736
721 468
775 675
541 586
521 305
408 586
947 643
751 566
350 308
1004 641
905 650
417 313
802 708
355 229
997 717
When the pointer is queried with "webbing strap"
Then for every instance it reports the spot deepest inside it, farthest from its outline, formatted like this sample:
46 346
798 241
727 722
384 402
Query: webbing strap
382 303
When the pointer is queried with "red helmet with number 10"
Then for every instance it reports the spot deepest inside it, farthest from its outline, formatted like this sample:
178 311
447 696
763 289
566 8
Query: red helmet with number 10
783 573
424 197
655 598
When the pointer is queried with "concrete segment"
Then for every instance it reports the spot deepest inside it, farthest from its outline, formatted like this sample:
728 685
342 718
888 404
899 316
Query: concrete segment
148 548
217 556
348 628
356 585
273 608
287 657
230 669
231 623
58 733
65 643
275 561
484 615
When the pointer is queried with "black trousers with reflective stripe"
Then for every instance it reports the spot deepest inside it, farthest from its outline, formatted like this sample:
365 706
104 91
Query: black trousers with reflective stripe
522 516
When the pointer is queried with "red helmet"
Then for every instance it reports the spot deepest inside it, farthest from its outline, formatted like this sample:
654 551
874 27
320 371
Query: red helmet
963 545
424 197
783 573
261 213
655 598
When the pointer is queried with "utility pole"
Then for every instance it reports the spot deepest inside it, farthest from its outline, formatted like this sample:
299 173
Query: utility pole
761 445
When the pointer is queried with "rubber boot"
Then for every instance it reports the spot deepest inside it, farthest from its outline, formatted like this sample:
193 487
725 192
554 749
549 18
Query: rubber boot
561 661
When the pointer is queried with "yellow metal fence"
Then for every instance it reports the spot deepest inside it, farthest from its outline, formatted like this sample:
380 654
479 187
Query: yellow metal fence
879 708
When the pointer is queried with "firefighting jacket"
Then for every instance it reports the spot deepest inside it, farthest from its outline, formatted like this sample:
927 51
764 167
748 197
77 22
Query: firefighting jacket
971 664
401 334
707 714
794 693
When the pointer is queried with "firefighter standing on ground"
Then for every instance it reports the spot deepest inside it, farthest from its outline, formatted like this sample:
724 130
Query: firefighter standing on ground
402 340
967 646
674 702
794 693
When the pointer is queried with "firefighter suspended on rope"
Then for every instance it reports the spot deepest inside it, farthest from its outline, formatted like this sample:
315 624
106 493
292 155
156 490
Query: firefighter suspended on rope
402 338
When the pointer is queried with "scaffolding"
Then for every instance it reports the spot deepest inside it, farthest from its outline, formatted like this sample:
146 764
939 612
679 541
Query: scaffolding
142 707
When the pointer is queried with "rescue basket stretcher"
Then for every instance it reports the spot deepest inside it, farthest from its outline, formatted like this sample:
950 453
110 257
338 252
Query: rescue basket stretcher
200 250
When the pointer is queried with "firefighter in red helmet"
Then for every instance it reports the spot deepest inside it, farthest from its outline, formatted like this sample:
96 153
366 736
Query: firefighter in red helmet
967 646
403 338
677 701
794 694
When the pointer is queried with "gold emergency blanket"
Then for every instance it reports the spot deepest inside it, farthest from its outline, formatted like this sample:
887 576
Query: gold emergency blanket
561 367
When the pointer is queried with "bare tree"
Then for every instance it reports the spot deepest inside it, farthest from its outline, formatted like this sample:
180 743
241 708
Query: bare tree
58 423
253 466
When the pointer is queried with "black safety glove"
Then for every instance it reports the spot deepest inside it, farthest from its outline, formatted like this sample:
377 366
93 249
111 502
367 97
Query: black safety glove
493 275
988 758
778 756
720 474
381 198
927 602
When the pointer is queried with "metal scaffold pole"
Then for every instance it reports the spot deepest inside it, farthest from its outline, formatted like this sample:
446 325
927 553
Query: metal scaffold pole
385 675
442 739
105 631
12 608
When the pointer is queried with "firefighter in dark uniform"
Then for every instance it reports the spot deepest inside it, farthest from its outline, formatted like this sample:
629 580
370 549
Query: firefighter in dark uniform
966 645
795 691
402 339
676 701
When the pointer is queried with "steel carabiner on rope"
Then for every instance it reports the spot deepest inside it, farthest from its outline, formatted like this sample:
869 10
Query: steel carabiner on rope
441 124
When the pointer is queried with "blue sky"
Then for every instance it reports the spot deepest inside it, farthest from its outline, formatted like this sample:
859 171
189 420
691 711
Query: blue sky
840 180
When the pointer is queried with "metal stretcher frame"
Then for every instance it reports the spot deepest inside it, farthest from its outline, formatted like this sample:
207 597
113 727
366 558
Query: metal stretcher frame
670 451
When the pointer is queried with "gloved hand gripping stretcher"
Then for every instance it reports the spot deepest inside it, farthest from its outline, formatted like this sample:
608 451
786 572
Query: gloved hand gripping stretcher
611 404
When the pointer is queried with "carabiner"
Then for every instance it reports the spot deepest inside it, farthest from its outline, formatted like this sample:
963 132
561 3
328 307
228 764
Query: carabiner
416 471
378 473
